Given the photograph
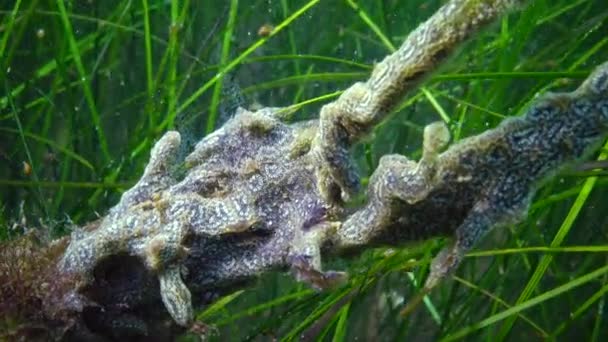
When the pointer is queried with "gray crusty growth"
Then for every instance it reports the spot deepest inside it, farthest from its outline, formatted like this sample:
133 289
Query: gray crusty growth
262 194
365 104
481 182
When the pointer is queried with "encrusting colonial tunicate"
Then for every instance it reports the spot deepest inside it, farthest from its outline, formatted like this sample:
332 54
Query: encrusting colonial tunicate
264 194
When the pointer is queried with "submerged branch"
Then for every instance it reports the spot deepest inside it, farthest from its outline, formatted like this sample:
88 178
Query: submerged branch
261 194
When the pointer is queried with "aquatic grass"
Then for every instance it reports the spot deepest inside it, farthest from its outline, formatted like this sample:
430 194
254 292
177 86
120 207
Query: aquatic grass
341 325
559 237
69 153
120 13
354 76
26 149
564 9
465 104
294 51
60 184
308 58
84 80
322 308
540 249
500 301
199 92
372 25
217 305
9 24
527 304
50 67
246 53
307 78
598 296
299 295
226 44
171 88
438 108
142 77
149 66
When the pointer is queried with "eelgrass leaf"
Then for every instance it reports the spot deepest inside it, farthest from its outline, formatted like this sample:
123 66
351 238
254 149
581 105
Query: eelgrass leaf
84 80
559 237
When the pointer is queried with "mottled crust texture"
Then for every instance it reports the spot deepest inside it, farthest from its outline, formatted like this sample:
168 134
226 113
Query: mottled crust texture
262 194
364 105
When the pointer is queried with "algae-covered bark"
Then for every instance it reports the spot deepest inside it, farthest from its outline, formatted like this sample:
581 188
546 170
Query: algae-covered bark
263 194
